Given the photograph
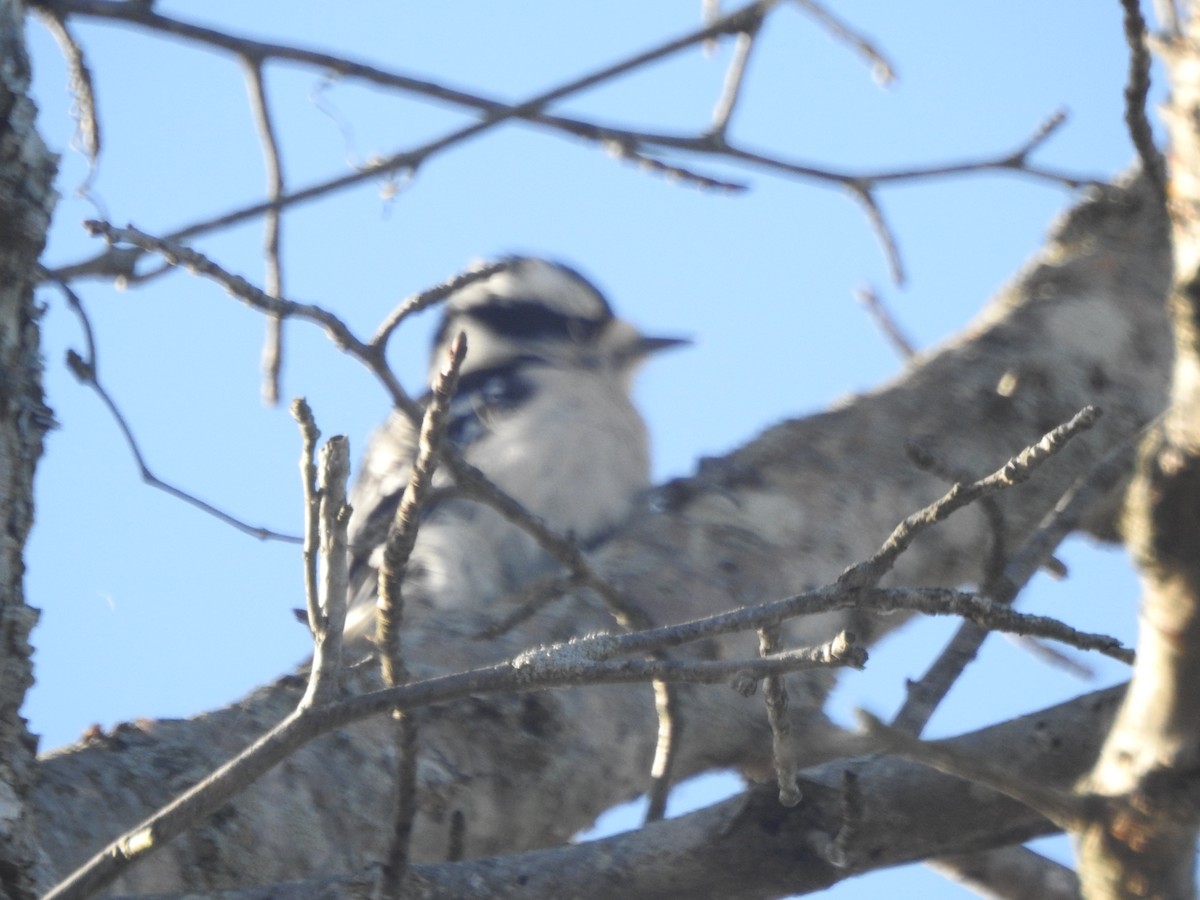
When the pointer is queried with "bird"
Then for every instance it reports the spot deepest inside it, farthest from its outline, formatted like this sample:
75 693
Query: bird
543 408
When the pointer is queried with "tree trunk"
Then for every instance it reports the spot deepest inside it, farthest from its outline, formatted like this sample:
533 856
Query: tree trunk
26 201
1142 839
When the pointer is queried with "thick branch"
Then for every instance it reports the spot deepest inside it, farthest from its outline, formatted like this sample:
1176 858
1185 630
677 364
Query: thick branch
751 848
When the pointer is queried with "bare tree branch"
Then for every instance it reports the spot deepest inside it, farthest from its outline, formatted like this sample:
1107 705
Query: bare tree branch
333 470
82 87
887 323
85 368
783 751
429 297
1010 873
309 434
924 695
881 69
750 848
626 143
398 547
1137 88
272 358
1060 806
666 746
734 78
1016 470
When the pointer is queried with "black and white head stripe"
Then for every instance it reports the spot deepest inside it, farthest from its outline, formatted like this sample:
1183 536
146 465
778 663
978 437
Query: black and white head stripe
529 300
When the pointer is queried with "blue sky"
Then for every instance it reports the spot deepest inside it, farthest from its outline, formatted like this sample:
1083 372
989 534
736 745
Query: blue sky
153 609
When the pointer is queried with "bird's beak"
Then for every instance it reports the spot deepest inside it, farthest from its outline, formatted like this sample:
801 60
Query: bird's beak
647 345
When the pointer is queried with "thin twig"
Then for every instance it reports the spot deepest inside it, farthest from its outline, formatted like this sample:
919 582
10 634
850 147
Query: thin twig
333 471
309 434
783 748
924 695
402 534
860 185
80 84
667 712
881 69
883 232
1015 161
626 150
86 369
887 323
1137 88
735 77
401 538
844 850
526 603
428 297
272 354
1013 472
1114 466
932 601
175 254
122 263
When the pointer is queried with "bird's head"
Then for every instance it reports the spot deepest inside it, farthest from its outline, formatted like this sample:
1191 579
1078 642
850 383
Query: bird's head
542 313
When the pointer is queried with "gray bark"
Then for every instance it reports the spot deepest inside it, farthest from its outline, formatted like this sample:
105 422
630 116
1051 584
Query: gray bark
27 199
750 847
1142 838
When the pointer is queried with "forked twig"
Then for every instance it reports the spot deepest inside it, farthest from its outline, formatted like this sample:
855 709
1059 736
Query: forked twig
85 368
